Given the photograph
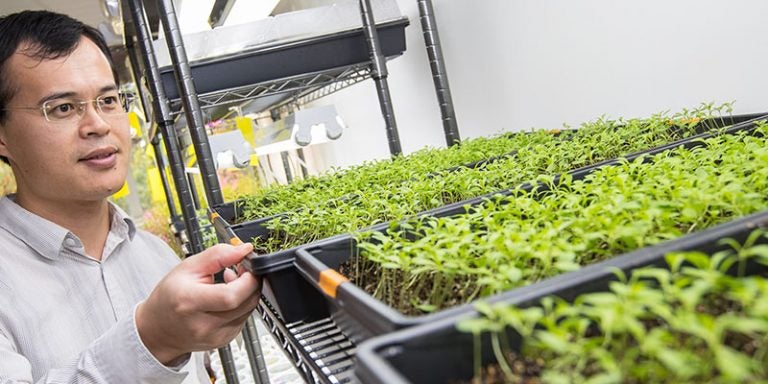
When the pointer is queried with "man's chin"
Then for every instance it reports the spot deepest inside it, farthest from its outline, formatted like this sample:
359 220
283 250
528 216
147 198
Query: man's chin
107 190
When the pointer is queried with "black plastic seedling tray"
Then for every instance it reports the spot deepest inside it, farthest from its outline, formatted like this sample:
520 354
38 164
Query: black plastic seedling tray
232 212
725 121
297 298
438 353
315 54
360 315
293 301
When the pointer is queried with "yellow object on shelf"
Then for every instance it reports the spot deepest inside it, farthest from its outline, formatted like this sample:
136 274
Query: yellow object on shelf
122 192
135 123
156 191
245 125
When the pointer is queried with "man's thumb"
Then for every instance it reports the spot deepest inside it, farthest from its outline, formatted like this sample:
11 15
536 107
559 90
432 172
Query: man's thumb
218 257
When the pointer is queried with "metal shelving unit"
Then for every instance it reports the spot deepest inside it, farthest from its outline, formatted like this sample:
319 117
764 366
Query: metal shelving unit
300 89
320 351
281 95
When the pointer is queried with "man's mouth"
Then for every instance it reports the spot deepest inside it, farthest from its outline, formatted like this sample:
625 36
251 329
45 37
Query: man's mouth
100 155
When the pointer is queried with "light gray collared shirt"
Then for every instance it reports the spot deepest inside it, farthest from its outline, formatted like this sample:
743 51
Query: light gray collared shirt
68 318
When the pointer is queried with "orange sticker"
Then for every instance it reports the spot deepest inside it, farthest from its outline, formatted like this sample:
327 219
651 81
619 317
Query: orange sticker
330 281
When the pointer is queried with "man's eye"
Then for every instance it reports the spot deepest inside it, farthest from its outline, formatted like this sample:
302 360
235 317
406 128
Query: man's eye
109 103
61 109
65 107
108 100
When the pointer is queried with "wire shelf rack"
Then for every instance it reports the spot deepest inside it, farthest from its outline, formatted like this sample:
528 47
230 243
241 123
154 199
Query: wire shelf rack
300 89
319 350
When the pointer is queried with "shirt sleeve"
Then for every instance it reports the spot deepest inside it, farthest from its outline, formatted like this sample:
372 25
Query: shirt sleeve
117 357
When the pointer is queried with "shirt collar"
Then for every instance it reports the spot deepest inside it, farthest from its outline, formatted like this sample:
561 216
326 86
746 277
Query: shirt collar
122 224
46 237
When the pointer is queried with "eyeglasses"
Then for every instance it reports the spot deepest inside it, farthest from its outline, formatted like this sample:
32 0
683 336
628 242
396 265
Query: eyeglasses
69 109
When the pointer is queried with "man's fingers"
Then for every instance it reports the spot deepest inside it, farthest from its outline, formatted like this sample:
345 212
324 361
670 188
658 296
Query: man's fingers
245 308
225 297
218 257
229 275
240 320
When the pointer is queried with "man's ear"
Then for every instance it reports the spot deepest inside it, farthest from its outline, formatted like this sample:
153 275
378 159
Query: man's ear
3 147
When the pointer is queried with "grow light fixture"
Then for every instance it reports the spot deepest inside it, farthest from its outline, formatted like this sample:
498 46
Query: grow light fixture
307 123
302 128
230 149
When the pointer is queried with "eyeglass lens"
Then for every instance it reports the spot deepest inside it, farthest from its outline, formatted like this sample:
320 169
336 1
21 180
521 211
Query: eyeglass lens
67 108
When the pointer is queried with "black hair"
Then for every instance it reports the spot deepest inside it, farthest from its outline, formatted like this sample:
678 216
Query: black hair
49 35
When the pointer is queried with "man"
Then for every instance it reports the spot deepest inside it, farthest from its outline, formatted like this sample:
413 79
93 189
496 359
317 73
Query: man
84 295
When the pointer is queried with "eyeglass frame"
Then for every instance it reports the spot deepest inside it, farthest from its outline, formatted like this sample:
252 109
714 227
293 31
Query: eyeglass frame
124 98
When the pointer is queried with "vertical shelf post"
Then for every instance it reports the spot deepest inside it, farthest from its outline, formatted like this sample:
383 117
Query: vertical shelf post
165 123
191 105
380 74
154 139
160 160
300 154
439 74
286 166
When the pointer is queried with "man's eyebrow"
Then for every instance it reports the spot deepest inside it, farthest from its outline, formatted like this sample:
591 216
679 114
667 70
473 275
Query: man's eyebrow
108 88
62 95
54 96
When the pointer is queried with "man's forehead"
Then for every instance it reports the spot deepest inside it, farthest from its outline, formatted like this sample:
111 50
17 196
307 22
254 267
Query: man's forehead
26 60
85 65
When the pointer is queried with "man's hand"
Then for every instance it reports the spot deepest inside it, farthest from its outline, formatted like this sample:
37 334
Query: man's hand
187 312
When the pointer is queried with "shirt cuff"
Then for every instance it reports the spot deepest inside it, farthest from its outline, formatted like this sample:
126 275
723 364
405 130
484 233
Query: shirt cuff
129 360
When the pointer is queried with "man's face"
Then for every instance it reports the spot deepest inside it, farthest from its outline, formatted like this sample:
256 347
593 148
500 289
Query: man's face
82 159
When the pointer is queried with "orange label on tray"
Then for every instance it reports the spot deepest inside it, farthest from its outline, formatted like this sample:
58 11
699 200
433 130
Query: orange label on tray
330 281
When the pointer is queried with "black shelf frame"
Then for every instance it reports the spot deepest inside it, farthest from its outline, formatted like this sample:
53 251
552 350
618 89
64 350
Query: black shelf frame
302 88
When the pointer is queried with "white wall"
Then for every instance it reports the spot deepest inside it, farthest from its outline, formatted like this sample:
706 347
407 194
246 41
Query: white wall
517 64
